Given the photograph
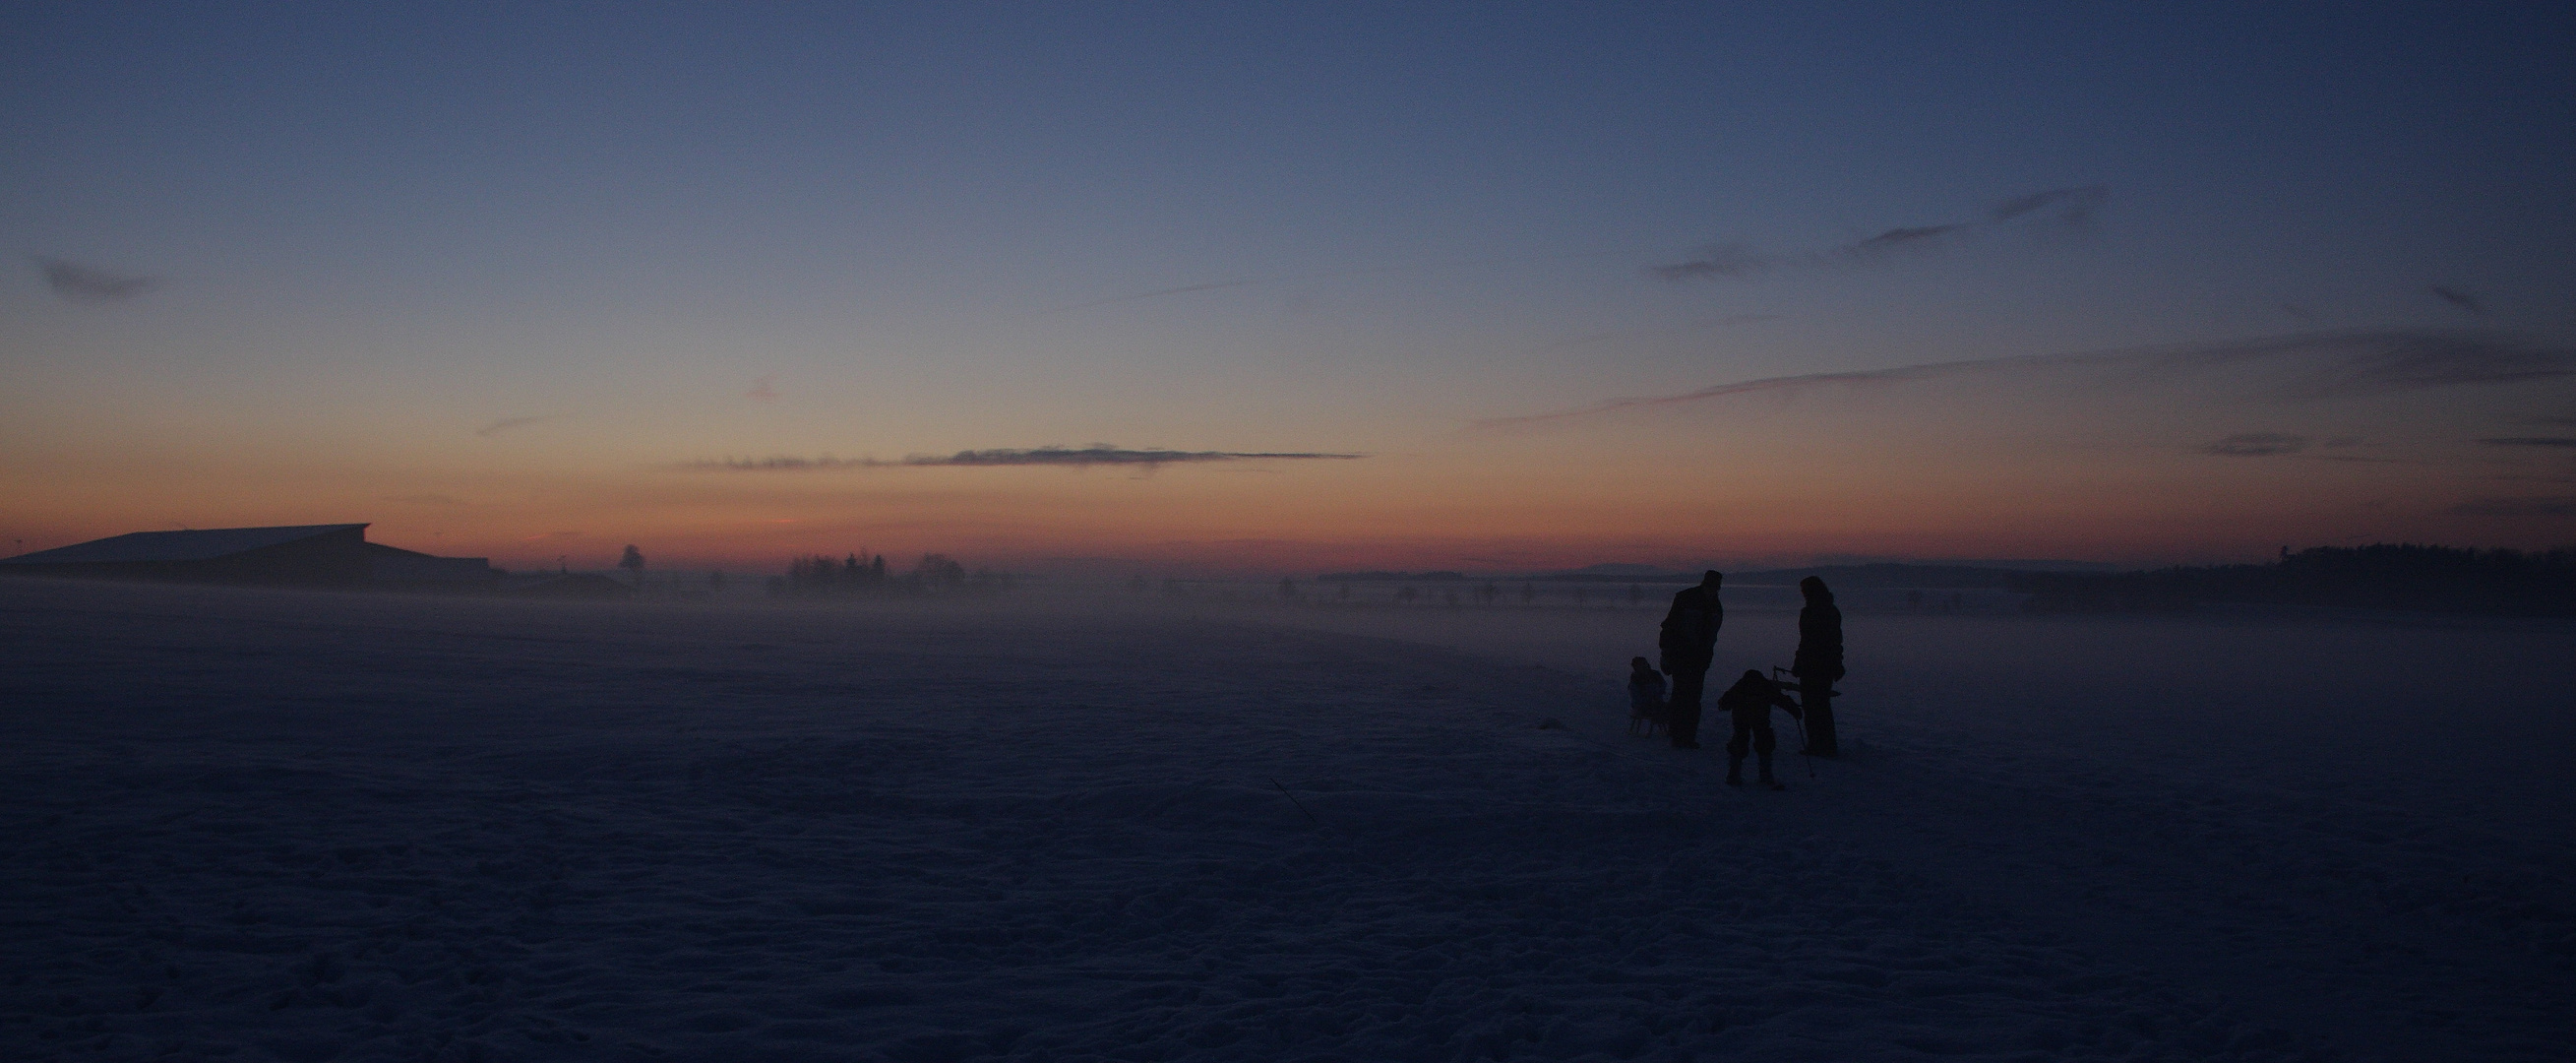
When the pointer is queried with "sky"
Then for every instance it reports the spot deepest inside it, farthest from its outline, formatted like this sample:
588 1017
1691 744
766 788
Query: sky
1193 288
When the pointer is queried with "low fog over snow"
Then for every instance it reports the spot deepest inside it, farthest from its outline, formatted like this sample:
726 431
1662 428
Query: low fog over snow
273 825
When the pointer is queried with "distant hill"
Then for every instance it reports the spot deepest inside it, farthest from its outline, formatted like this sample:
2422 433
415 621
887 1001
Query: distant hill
1890 574
1624 571
2438 579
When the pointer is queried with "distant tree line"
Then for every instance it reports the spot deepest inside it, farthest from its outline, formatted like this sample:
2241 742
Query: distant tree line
858 576
2439 579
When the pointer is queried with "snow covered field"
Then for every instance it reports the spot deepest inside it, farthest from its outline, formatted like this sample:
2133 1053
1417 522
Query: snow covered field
255 825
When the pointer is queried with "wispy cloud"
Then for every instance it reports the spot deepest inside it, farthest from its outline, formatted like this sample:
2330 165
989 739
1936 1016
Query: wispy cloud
2067 206
2057 208
2530 441
507 423
1724 260
1106 454
2256 445
1901 237
1329 274
2546 506
88 284
2329 365
1076 457
2460 299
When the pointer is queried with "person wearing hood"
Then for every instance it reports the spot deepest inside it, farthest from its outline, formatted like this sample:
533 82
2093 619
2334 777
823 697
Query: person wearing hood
1689 645
1818 664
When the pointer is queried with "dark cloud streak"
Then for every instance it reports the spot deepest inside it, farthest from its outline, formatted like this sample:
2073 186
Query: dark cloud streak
2073 205
2256 445
2344 363
1900 237
2461 299
2060 208
85 284
1069 457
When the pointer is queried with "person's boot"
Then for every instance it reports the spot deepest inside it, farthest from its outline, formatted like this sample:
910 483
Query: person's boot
1735 771
1767 780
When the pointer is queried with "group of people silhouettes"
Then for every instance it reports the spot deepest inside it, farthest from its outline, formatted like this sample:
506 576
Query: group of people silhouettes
1689 645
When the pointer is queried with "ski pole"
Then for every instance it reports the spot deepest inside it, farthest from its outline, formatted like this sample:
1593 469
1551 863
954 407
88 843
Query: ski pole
1292 799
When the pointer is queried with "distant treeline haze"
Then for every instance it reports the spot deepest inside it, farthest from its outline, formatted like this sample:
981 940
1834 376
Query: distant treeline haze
858 575
2438 579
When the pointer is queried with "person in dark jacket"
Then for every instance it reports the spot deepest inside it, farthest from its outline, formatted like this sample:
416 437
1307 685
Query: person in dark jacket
1748 706
1818 664
1689 645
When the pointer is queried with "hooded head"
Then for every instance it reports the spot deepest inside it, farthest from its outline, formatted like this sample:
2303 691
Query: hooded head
1711 578
1639 664
1752 681
1814 589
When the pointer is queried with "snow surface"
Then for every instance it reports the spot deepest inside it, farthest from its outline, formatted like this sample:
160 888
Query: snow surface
254 825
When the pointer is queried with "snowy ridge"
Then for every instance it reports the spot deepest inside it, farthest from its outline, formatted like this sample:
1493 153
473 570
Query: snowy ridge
257 825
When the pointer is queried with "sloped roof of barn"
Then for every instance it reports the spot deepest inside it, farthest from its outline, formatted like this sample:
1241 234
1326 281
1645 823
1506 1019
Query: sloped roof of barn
203 545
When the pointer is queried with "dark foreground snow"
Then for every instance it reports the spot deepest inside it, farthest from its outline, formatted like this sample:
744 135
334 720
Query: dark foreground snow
263 825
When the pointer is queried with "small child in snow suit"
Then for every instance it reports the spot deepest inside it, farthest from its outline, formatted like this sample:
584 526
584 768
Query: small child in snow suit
1646 709
1748 704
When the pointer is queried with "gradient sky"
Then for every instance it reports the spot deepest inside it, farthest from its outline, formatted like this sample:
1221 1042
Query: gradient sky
538 280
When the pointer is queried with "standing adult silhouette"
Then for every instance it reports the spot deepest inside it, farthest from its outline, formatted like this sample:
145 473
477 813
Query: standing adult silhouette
1689 644
1818 664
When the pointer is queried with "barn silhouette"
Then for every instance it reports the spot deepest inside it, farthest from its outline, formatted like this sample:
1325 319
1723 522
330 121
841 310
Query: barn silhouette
310 555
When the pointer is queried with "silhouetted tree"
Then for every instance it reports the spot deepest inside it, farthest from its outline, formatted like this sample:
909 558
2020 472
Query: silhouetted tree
938 570
823 575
